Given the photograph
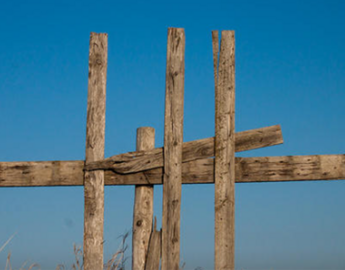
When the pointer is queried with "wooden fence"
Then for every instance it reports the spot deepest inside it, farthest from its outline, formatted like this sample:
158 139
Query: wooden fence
210 160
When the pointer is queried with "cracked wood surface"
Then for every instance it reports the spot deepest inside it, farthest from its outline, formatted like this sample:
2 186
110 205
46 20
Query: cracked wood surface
95 128
173 140
225 153
248 170
150 159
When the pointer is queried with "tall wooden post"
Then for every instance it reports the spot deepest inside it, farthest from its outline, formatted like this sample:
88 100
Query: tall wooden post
143 206
95 129
225 154
173 139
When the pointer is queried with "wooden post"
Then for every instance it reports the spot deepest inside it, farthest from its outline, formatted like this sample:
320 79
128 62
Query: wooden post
95 129
143 206
225 155
215 49
154 251
173 138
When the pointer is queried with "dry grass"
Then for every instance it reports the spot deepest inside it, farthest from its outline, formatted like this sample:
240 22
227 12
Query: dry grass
9 267
116 262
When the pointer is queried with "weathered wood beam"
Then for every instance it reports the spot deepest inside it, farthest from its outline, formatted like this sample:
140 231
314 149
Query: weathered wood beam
248 170
143 206
150 159
225 155
173 140
42 173
95 129
291 168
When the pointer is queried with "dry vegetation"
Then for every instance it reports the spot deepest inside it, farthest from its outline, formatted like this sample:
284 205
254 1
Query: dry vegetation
116 262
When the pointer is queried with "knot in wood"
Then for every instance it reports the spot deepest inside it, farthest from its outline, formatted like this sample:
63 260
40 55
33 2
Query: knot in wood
174 240
139 223
175 203
98 60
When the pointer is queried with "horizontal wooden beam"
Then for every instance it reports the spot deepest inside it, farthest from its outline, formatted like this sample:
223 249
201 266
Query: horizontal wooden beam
144 160
253 169
41 173
290 168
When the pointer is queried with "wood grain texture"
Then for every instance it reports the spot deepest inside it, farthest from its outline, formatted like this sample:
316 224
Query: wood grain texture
143 206
291 168
173 139
215 51
41 173
155 249
225 155
248 170
144 160
95 129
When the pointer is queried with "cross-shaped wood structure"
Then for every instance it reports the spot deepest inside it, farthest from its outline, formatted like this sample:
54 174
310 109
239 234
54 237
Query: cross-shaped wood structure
175 164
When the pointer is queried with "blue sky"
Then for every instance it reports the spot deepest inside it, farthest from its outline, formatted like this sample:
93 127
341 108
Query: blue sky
290 70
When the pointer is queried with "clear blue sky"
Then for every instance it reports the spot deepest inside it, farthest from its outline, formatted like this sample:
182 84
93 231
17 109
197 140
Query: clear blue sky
290 70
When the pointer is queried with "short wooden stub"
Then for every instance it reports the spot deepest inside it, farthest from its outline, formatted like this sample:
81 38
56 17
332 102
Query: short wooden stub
95 128
143 206
154 252
173 138
225 155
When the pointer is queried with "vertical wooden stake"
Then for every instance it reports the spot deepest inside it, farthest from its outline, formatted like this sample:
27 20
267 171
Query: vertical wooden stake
173 138
215 48
225 155
154 252
95 129
143 206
